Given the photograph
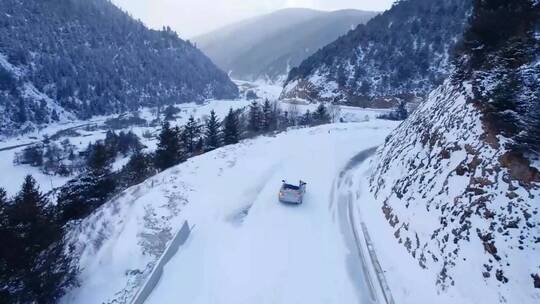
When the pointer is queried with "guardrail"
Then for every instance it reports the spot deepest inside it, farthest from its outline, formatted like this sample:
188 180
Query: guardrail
179 239
385 289
378 269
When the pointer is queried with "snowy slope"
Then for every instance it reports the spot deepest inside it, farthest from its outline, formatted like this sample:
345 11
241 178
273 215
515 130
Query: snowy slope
457 182
454 206
82 58
12 182
245 247
401 54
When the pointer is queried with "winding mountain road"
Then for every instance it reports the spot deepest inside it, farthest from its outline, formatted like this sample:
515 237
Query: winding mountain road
268 252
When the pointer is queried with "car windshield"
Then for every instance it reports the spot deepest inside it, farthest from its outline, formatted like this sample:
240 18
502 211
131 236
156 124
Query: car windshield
290 187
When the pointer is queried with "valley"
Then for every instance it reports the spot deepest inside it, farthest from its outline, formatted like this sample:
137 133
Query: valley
342 152
81 133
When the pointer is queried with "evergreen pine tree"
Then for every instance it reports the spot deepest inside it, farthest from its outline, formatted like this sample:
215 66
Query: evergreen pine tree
83 194
320 116
231 128
168 151
268 116
8 250
199 146
99 160
170 112
283 119
212 133
128 142
4 222
3 207
28 204
7 241
34 230
191 135
139 168
255 118
111 143
34 267
33 155
307 118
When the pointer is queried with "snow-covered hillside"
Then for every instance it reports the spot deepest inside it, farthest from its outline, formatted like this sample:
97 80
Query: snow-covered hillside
82 58
455 207
245 247
458 182
80 136
401 54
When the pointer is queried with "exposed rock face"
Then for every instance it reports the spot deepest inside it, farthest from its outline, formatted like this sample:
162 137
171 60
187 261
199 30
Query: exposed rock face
459 180
401 54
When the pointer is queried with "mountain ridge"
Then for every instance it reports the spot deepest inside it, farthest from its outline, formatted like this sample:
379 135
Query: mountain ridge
264 48
400 54
75 59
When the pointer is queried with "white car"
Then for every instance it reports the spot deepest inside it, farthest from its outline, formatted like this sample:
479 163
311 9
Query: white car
292 194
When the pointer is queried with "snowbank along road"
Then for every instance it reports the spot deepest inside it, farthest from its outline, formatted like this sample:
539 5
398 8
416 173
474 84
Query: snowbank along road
246 246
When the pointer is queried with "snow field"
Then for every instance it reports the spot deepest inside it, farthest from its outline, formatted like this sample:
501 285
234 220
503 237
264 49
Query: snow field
12 181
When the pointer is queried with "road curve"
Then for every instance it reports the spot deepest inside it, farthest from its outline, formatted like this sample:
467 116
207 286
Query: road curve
359 240
249 248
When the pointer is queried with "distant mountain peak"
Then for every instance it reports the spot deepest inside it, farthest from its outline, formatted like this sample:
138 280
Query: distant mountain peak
266 47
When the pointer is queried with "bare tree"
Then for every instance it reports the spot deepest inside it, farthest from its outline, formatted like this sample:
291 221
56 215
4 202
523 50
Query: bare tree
334 111
293 111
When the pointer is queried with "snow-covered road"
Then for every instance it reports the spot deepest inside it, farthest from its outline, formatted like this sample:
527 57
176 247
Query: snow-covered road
347 196
245 246
262 251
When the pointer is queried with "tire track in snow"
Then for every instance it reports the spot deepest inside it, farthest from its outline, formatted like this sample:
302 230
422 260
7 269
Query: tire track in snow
349 224
238 217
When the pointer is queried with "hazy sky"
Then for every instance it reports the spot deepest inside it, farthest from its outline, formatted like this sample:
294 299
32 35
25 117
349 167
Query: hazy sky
193 17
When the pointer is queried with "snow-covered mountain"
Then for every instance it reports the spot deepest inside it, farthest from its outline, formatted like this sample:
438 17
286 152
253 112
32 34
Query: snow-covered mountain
459 181
443 207
78 58
401 54
268 46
